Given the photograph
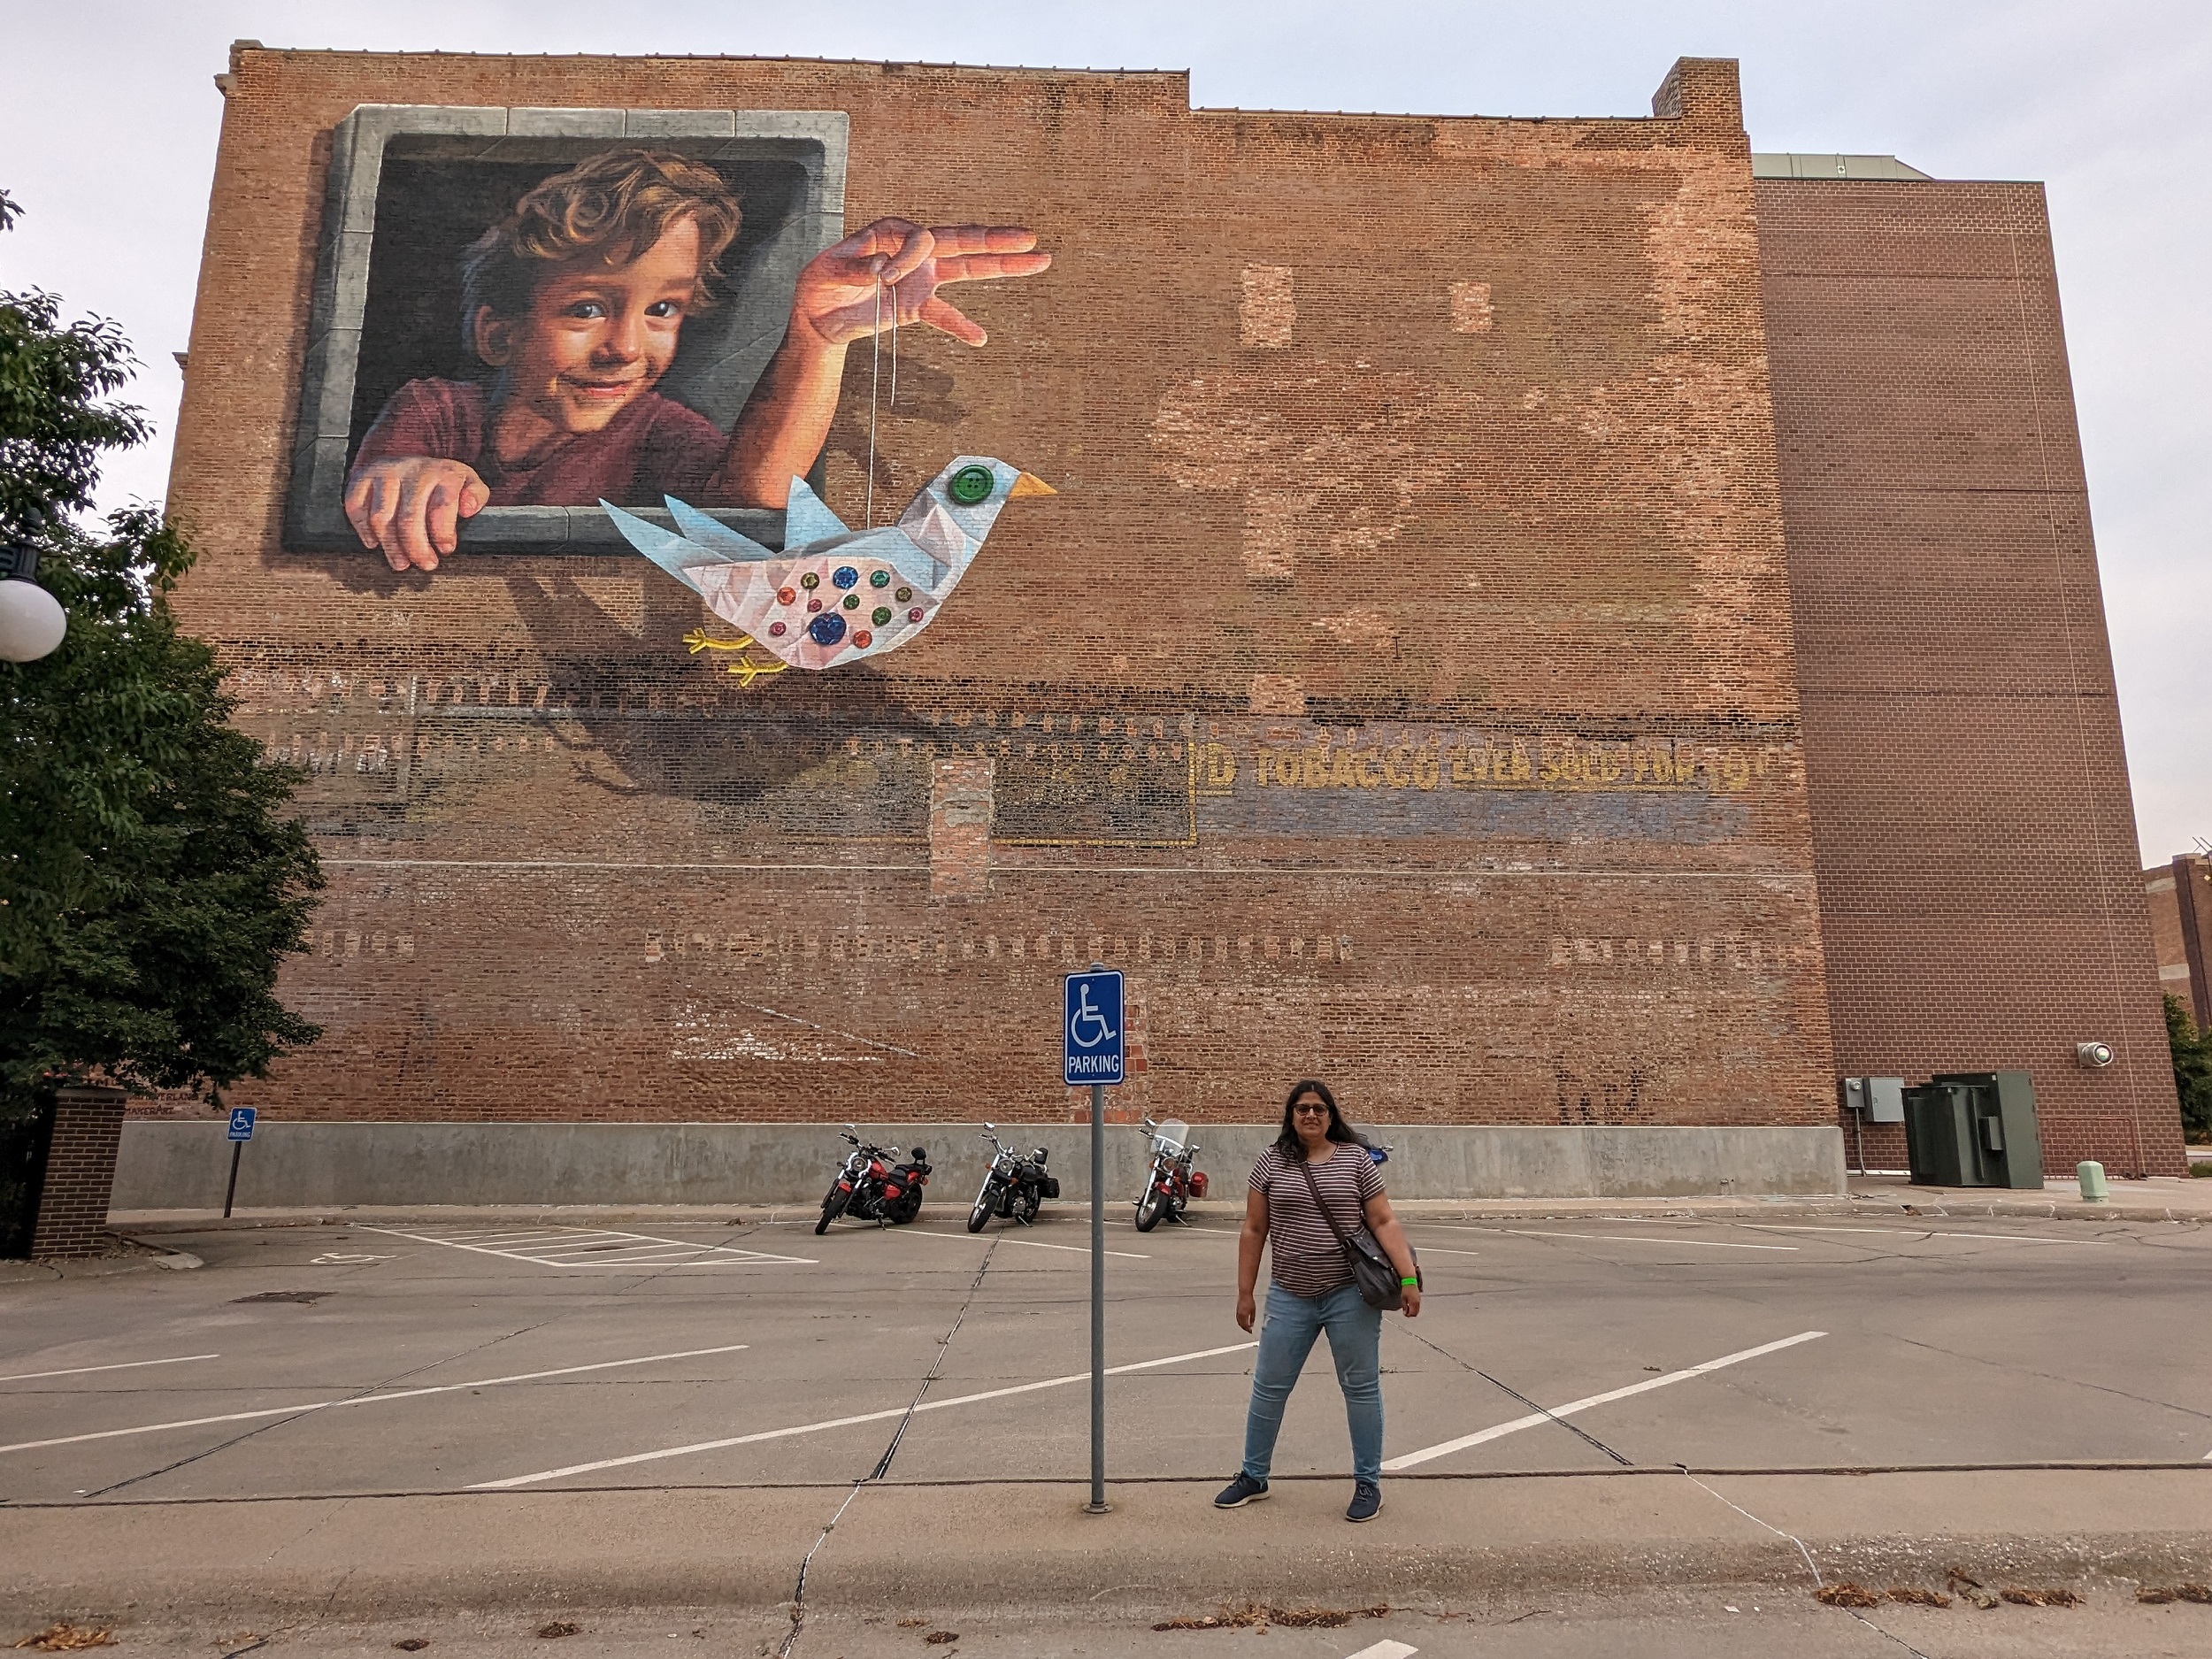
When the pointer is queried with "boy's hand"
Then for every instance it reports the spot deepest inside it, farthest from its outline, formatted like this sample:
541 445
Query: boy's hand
410 507
895 267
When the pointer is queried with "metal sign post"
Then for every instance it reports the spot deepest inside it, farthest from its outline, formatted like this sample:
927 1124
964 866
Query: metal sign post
241 1132
1092 1050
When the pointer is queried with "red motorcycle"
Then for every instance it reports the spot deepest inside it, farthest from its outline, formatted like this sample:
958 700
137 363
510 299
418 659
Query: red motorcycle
1169 1183
870 1187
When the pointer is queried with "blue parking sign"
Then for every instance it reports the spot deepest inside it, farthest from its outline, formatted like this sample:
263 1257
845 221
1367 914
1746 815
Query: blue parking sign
1091 1027
241 1123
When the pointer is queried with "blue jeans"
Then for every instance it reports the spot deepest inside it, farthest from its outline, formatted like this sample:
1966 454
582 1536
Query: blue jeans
1354 1337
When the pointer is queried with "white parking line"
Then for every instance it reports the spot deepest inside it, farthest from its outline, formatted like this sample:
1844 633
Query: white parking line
1438 1249
1034 1244
844 1423
1500 1430
574 1247
1920 1232
85 1371
363 1400
1630 1238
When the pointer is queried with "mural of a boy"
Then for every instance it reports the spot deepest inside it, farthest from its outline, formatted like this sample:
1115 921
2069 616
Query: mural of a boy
574 302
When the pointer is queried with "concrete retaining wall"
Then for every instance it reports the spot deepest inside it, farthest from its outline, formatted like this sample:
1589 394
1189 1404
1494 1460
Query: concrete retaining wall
183 1166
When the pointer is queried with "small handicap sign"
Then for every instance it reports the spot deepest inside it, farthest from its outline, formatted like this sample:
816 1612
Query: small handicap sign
241 1123
1091 1042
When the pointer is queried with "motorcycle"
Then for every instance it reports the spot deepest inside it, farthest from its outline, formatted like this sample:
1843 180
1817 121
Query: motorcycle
1169 1183
870 1187
1014 1185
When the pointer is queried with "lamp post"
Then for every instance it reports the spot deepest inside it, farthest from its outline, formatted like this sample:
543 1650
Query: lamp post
32 621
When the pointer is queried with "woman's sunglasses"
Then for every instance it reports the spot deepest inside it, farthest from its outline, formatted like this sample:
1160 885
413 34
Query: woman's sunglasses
1313 1107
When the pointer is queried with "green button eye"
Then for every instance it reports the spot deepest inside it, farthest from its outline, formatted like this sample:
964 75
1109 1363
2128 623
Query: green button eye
971 485
852 601
880 615
879 578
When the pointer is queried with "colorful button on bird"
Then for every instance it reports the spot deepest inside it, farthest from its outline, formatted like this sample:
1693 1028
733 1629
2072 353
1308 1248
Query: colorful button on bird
914 615
879 578
775 630
809 581
880 615
786 597
971 485
903 595
864 639
826 629
852 601
845 576
813 605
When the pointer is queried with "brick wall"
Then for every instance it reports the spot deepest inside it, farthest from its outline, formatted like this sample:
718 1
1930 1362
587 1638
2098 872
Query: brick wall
1979 895
72 1208
2179 896
1400 689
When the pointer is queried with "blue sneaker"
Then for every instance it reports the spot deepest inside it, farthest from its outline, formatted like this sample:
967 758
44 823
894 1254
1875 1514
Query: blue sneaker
1239 1491
1367 1501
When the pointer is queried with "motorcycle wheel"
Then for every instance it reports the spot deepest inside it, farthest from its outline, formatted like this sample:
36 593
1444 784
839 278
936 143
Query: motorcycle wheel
910 1205
832 1207
1148 1210
981 1213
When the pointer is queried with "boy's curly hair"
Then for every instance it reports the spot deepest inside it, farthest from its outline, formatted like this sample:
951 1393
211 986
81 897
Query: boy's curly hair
612 208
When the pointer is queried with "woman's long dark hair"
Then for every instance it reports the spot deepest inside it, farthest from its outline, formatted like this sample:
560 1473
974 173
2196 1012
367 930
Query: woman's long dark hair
1288 1144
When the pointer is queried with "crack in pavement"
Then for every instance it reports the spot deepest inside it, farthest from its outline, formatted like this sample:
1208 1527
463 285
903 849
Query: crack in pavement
883 1464
613 1290
1811 1565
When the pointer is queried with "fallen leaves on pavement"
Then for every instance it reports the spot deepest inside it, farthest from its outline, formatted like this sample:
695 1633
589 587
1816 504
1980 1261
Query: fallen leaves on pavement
69 1638
1252 1615
1848 1595
2023 1597
2164 1593
559 1627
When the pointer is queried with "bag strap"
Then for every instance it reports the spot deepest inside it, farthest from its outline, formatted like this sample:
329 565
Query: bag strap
1320 1203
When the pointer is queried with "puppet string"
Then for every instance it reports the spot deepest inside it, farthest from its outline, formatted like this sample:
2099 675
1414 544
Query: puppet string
875 377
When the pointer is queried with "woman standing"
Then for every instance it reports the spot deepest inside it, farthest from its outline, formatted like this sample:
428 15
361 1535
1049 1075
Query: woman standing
1316 1154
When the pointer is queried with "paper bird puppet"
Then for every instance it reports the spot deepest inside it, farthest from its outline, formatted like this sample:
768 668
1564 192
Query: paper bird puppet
833 595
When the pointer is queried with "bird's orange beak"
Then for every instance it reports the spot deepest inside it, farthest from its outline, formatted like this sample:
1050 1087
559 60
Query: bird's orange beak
1030 484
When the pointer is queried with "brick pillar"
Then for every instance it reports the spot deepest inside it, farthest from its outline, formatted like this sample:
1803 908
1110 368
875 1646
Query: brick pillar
960 828
72 1208
2193 897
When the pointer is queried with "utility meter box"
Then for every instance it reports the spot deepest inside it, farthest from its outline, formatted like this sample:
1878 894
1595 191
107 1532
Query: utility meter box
1881 1100
1974 1129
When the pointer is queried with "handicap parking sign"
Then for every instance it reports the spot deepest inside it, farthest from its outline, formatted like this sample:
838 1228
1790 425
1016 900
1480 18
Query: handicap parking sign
241 1123
1091 1042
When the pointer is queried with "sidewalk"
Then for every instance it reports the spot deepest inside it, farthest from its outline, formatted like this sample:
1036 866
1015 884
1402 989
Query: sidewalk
1018 1545
2165 1198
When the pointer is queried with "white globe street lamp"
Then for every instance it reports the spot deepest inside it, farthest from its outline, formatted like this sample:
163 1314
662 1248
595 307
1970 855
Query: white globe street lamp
32 621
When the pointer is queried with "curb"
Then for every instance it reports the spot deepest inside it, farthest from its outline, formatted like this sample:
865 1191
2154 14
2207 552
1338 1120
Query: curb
1030 1549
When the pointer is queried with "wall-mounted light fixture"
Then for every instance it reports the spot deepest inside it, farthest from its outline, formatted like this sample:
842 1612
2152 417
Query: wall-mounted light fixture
2093 1055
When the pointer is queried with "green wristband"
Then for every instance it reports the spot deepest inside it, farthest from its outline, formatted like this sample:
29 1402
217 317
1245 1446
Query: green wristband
1413 1282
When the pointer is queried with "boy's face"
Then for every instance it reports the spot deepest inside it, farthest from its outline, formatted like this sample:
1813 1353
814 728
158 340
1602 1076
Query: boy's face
595 338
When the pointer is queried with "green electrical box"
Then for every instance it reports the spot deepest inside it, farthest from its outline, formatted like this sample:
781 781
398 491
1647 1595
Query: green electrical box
1974 1129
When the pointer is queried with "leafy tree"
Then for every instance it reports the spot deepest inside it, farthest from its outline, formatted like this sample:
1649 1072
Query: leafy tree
2193 1069
150 881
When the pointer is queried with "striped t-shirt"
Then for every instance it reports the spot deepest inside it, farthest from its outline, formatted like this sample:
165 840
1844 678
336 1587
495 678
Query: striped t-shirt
1303 1256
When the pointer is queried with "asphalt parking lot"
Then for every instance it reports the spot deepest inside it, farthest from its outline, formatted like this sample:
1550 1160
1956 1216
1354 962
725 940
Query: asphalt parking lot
454 1356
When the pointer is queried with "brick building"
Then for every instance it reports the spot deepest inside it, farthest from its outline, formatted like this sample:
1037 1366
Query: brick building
2179 895
1538 624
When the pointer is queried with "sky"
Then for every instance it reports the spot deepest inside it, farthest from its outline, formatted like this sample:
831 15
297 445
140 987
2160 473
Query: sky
109 116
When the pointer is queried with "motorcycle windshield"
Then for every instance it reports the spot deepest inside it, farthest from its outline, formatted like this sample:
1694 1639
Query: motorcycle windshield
1170 1137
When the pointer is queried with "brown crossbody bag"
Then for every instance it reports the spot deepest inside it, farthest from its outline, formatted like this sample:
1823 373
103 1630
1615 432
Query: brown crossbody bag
1372 1271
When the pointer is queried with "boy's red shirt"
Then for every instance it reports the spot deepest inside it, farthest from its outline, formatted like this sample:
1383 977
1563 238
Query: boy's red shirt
655 447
